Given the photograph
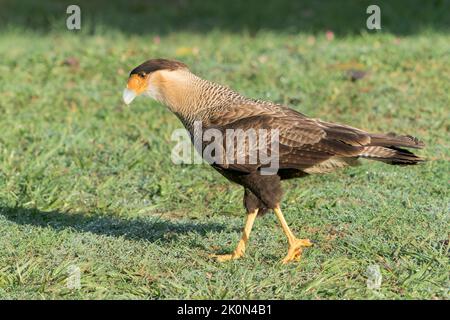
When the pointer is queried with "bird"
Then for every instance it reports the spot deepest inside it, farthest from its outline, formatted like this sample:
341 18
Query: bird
305 145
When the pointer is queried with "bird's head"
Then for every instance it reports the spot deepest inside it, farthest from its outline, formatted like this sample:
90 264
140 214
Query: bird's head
148 78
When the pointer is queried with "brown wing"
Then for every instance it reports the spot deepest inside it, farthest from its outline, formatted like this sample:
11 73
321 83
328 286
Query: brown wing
303 142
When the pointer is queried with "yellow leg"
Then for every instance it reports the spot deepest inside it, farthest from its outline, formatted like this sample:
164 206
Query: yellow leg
240 249
295 245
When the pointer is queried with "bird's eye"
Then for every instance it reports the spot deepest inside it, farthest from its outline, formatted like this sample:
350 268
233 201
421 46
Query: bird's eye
142 74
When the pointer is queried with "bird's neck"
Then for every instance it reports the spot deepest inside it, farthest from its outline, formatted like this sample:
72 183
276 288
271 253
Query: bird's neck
190 97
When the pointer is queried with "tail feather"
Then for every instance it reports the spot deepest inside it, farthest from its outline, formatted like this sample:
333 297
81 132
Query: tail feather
392 139
387 148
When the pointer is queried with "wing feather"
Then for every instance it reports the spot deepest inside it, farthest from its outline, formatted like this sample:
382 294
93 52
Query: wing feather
304 142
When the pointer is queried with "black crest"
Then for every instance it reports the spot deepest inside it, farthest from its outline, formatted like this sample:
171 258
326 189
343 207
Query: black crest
158 64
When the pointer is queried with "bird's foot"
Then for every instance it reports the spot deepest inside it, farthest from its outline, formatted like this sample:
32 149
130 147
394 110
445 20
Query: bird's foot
295 250
227 257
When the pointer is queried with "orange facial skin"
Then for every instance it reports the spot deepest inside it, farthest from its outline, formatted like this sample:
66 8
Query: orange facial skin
137 83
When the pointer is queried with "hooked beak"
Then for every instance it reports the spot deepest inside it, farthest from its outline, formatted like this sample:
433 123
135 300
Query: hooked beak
136 85
128 95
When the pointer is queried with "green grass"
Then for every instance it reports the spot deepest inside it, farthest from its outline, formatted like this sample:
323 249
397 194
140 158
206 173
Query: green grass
86 181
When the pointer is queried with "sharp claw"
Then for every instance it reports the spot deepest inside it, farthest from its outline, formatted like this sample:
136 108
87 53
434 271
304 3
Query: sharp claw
224 257
295 252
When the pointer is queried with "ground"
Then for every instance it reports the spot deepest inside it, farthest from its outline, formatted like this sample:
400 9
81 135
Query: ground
86 182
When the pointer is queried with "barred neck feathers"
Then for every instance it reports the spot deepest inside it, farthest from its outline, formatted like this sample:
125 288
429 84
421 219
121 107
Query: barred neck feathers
190 97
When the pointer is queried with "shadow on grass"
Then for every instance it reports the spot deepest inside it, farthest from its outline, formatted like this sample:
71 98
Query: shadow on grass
402 17
150 228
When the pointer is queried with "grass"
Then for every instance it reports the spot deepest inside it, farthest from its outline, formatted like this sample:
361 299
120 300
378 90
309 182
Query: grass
88 182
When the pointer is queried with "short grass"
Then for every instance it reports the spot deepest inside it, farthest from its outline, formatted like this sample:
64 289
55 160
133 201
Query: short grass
88 182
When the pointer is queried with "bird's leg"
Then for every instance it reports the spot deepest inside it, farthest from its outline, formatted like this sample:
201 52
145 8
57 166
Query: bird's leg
295 245
240 249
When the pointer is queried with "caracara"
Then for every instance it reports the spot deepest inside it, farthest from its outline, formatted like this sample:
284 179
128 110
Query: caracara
304 145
